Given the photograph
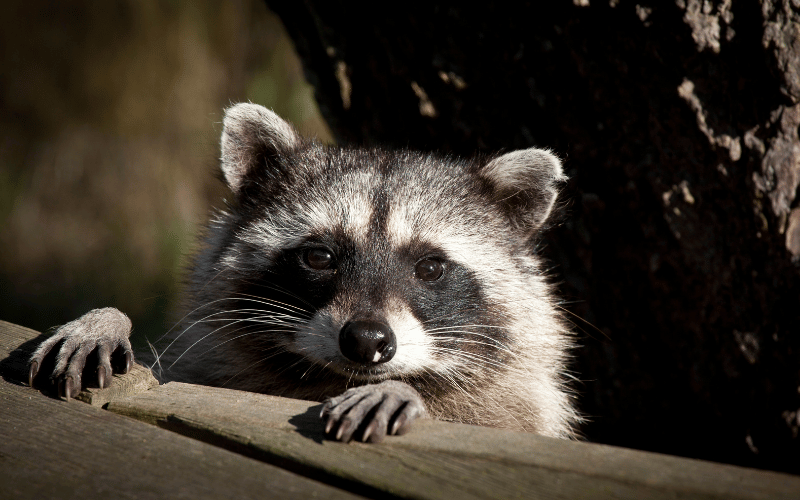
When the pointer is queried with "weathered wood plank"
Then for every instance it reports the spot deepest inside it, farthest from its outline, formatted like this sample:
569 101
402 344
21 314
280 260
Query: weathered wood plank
58 449
440 460
436 460
17 343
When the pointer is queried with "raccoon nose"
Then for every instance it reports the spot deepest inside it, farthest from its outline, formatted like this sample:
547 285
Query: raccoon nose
367 342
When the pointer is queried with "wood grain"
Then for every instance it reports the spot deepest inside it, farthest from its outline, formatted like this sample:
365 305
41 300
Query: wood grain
438 459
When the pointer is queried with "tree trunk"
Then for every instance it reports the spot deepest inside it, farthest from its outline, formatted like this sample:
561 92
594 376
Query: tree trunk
678 123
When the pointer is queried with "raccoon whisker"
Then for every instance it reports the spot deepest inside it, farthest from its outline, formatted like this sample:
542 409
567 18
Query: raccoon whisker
570 375
198 308
440 348
482 361
455 313
189 314
491 365
457 329
261 312
199 340
220 272
292 365
465 326
567 311
315 367
278 325
496 344
272 301
445 317
281 306
213 278
453 382
260 322
267 302
281 289
309 332
158 359
279 349
242 371
492 342
289 366
278 320
236 338
310 368
211 348
479 391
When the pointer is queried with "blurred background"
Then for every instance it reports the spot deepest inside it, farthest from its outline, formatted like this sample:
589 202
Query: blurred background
110 116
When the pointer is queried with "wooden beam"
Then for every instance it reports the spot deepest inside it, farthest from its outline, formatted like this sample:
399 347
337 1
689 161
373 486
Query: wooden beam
439 459
218 432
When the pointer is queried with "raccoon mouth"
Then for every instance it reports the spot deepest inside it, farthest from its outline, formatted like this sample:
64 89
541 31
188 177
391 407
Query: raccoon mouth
360 372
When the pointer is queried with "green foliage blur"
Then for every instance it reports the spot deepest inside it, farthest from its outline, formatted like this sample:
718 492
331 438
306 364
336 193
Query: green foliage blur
110 119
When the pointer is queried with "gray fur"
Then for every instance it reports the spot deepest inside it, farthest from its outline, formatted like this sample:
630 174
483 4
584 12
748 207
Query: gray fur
480 342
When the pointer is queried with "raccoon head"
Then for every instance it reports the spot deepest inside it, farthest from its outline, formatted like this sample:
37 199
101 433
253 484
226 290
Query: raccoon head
372 264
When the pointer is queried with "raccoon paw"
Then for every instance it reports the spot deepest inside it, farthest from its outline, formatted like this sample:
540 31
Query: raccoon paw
103 332
373 411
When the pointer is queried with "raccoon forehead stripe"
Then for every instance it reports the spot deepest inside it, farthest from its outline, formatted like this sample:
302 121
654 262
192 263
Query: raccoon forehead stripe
356 209
399 225
285 228
342 204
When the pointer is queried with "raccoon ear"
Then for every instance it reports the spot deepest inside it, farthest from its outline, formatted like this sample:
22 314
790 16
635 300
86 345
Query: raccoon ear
525 184
251 135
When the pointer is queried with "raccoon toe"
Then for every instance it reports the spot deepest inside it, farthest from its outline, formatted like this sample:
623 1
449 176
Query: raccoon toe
334 408
378 426
374 411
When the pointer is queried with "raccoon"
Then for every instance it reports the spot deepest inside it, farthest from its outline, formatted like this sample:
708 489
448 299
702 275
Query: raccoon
392 285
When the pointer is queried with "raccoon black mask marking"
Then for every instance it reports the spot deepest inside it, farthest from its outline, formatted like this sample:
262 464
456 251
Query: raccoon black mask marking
400 283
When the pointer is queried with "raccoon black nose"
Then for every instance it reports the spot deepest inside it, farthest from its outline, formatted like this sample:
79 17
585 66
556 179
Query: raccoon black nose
367 342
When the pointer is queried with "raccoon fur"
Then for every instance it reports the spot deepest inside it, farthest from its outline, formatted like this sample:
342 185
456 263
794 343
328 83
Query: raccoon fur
392 285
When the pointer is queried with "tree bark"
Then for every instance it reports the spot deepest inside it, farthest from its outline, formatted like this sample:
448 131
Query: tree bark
678 123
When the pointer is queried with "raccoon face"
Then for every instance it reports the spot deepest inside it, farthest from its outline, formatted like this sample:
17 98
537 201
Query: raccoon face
371 264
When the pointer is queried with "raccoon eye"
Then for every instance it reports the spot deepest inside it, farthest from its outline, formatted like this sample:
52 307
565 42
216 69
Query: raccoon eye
319 258
429 269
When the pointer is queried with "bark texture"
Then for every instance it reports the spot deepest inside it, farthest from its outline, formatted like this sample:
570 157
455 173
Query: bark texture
678 123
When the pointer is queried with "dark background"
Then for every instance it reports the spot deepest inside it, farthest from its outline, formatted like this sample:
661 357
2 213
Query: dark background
677 123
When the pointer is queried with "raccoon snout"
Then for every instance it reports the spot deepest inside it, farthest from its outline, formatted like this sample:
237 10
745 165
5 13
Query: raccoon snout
367 342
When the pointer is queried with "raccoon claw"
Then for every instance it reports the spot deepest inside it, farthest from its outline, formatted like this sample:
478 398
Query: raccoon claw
128 363
34 370
399 427
101 377
104 331
374 411
66 388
